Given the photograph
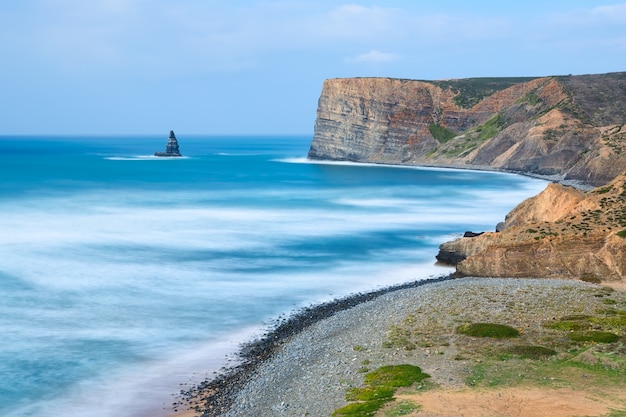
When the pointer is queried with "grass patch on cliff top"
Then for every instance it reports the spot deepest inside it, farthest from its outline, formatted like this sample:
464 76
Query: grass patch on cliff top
470 91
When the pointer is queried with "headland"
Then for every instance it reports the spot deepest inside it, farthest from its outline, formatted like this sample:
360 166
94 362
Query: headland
567 352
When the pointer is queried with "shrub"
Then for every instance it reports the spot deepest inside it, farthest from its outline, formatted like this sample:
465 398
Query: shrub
604 190
395 376
531 351
590 278
567 324
440 133
594 336
499 331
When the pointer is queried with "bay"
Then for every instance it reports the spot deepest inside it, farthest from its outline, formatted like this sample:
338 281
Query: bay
124 276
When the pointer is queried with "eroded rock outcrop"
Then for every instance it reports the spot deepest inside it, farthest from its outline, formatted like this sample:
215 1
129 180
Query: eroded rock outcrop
569 128
171 148
561 232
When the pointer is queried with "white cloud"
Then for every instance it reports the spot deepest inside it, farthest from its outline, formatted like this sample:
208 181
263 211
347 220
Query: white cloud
161 38
374 56
601 17
613 13
354 21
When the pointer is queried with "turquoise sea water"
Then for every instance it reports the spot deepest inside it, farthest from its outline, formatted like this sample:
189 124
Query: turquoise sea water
123 276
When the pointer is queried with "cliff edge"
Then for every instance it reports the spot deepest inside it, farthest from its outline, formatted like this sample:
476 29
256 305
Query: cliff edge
562 232
562 127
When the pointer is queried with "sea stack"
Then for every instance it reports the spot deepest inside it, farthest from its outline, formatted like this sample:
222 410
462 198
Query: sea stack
171 149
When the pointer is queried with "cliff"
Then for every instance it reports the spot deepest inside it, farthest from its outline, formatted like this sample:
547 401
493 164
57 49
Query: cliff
563 127
561 232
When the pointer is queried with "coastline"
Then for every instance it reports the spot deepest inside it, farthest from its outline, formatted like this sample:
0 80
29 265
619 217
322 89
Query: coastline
237 391
215 396
481 168
304 366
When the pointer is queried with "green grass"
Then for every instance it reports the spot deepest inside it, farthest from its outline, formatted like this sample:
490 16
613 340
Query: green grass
364 409
380 386
568 325
531 351
395 376
593 336
622 234
440 133
370 394
490 128
500 331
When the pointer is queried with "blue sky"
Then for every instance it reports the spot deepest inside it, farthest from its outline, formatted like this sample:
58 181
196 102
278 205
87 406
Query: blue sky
257 67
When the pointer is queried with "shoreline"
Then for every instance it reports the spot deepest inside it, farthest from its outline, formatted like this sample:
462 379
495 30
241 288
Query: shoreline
219 394
481 168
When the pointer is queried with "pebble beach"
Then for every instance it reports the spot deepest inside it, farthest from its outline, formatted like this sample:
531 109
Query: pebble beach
304 366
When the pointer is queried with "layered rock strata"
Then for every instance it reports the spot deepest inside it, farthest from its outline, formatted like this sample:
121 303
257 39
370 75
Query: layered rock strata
561 232
565 127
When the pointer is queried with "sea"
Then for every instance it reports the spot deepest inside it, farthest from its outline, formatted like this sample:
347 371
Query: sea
126 278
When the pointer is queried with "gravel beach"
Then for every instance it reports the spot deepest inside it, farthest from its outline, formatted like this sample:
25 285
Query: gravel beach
304 369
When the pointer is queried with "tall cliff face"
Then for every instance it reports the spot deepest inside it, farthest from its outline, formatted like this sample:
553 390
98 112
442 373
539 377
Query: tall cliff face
561 232
571 127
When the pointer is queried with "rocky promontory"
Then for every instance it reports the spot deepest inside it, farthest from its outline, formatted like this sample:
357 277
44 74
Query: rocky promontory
571 129
562 232
562 127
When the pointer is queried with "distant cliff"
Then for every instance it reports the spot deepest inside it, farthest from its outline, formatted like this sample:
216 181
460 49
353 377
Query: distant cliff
562 232
564 127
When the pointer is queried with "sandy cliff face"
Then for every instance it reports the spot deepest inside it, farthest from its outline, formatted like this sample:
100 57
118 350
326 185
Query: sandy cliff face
561 232
567 127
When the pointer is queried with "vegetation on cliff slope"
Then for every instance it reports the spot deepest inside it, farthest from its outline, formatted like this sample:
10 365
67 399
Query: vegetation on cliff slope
470 91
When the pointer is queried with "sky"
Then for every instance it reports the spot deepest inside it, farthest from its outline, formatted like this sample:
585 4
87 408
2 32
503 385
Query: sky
116 67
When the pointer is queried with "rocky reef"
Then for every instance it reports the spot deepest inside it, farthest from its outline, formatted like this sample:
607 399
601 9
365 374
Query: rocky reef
561 127
562 232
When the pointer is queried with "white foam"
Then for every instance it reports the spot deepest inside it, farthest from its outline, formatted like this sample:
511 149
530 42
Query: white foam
144 158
